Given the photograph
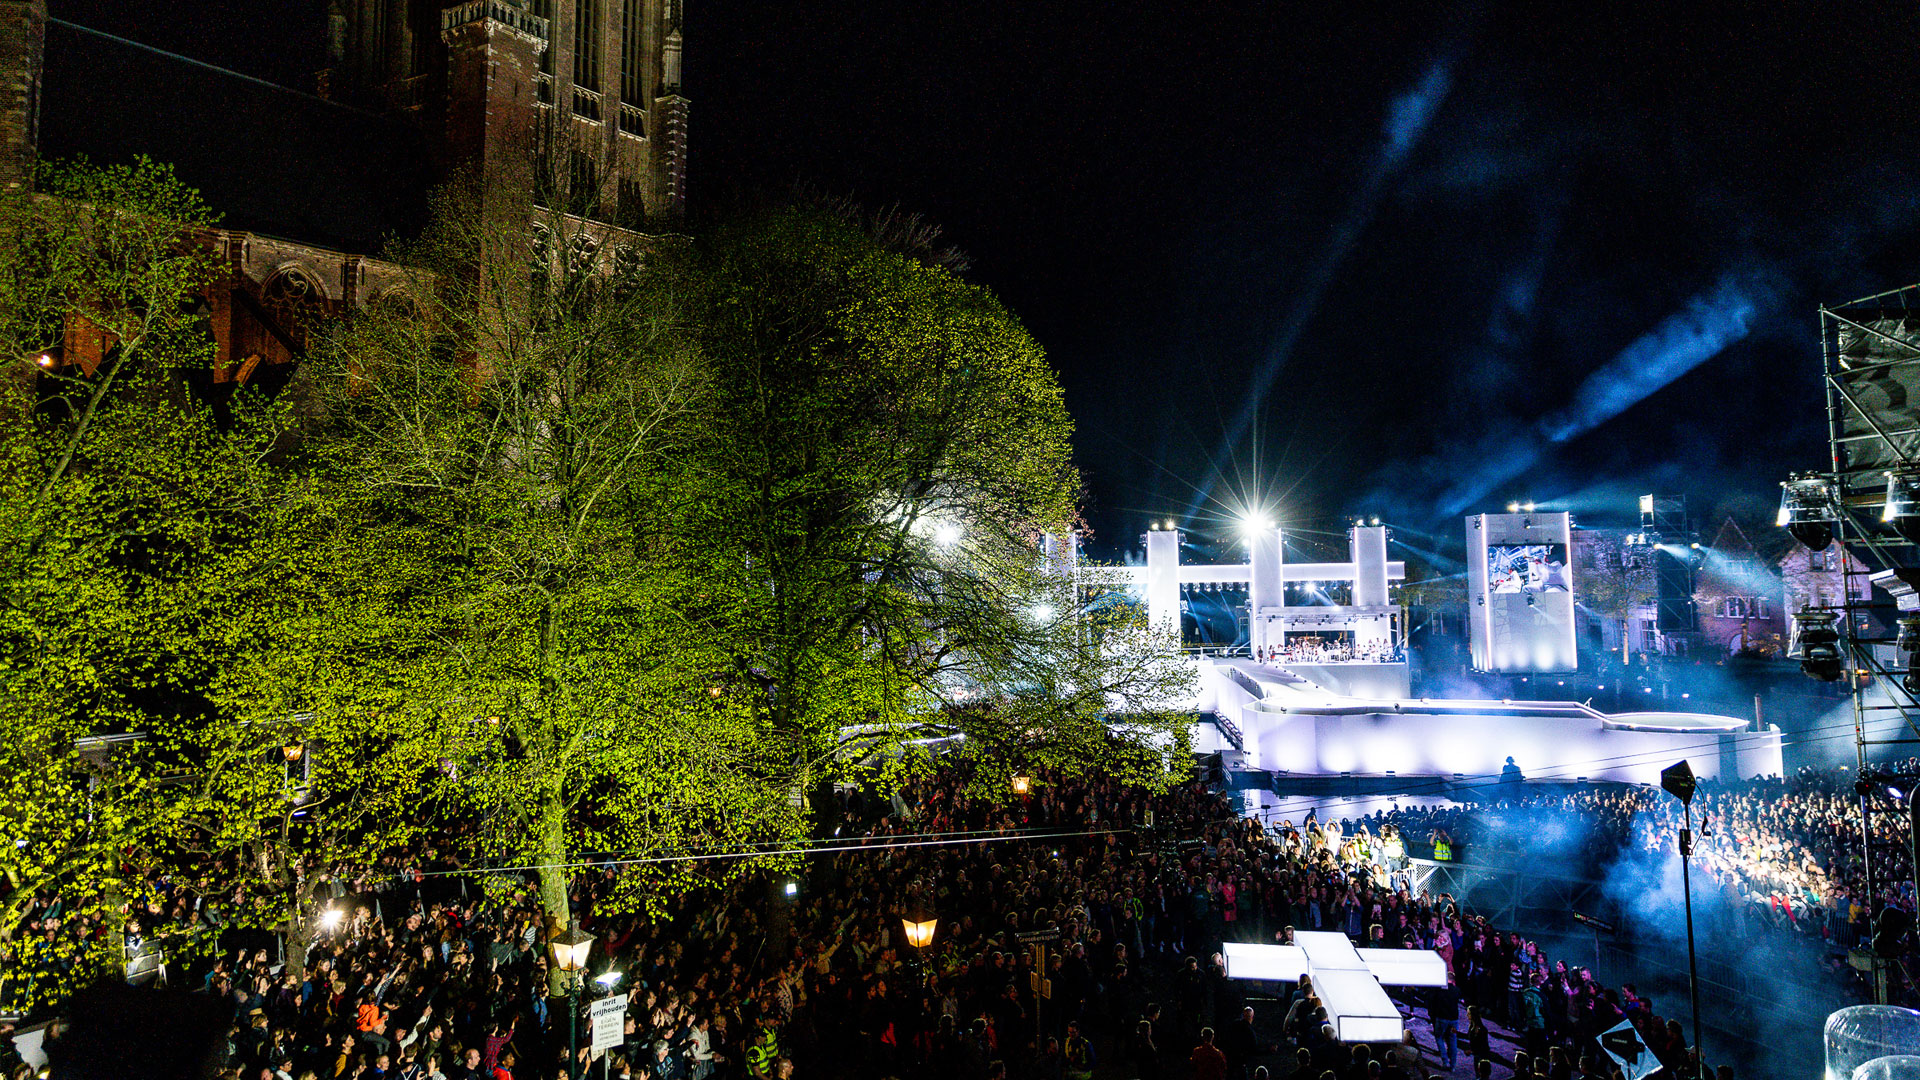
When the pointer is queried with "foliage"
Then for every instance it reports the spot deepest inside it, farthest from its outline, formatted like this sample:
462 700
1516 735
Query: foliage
507 427
545 560
887 448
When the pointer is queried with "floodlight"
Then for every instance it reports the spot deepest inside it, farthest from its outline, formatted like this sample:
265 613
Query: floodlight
792 889
1807 510
1908 639
1042 612
330 918
1902 511
608 980
1513 508
946 535
1817 642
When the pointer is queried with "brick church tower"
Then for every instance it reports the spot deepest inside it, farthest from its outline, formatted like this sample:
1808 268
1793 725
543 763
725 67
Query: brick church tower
23 32
483 75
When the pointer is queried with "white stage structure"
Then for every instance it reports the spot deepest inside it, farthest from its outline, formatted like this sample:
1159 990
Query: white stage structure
1348 980
1360 717
1371 618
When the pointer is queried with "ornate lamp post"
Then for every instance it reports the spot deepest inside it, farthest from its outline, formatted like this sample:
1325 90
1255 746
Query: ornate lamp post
570 948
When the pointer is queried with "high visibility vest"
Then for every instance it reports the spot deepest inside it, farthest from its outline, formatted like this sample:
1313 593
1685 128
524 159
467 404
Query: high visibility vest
1442 851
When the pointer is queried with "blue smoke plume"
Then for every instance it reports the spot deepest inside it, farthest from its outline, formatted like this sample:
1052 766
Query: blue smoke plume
1683 341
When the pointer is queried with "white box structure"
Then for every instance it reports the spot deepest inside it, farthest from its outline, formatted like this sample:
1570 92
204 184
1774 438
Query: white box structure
1347 979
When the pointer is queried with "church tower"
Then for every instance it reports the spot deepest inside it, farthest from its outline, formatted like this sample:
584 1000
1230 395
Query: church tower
604 75
23 31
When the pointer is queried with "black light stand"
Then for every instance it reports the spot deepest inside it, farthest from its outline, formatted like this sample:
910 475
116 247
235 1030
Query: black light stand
1677 780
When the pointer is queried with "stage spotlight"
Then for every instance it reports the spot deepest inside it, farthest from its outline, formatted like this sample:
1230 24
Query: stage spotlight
1374 520
1807 510
1513 508
1817 642
1902 512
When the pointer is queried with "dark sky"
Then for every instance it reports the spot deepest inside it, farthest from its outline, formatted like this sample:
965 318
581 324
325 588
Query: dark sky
1560 252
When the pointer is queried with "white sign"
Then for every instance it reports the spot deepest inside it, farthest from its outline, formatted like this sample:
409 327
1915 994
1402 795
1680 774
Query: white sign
1623 1044
607 1018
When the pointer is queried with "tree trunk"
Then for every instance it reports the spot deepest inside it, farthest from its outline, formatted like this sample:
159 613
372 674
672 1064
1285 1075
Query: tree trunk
550 855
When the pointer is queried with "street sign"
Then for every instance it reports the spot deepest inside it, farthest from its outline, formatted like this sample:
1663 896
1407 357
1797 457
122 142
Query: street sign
607 1018
1622 1044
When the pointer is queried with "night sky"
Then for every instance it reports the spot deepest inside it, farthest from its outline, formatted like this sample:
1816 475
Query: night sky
1551 252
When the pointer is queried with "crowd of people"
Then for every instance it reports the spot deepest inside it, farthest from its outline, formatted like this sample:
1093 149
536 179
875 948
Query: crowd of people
1072 940
1313 650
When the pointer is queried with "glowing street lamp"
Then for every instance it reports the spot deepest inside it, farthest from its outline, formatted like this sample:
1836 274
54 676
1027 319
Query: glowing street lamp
570 948
1022 784
919 924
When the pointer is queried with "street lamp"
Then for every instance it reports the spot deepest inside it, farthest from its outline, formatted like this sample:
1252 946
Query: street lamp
570 948
919 924
1677 780
1022 785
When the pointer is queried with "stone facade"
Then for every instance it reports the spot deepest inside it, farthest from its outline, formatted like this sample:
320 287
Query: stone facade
23 33
605 74
486 84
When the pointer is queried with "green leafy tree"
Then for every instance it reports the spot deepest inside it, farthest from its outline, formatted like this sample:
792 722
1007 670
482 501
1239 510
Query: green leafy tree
886 450
505 421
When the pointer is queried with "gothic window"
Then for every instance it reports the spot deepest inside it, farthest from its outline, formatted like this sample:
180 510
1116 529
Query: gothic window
544 9
291 296
586 44
632 211
633 61
583 186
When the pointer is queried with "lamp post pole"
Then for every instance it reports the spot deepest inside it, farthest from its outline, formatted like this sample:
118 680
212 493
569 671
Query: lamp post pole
1677 780
1693 970
573 1025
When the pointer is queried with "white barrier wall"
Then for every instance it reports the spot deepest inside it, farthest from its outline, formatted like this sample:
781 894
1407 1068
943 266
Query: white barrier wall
1568 745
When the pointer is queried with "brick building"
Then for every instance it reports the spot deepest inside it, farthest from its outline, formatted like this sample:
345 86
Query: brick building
312 181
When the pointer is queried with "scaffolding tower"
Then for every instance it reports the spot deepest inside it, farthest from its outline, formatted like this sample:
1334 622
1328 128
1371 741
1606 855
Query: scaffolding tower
1870 355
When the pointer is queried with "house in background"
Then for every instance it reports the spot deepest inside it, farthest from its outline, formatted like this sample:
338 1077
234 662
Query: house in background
1739 597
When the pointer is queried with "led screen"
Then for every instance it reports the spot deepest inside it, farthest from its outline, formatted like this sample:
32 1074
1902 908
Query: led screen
1527 568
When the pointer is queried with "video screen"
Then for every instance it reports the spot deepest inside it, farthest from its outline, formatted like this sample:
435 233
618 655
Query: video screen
1527 568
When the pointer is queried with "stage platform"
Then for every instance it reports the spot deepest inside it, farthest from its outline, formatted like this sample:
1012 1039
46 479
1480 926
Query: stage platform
1287 722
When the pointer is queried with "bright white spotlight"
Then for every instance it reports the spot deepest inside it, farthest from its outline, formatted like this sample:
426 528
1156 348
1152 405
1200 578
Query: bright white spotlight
792 889
608 980
1042 612
330 918
946 535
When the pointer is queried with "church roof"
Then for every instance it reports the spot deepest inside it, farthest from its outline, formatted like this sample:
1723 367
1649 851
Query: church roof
269 159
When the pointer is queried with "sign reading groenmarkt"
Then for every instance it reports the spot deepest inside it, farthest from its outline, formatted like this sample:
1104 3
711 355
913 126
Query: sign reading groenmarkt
607 1018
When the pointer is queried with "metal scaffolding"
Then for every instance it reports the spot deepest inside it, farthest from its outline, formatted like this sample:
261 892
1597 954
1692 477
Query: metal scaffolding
1870 355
